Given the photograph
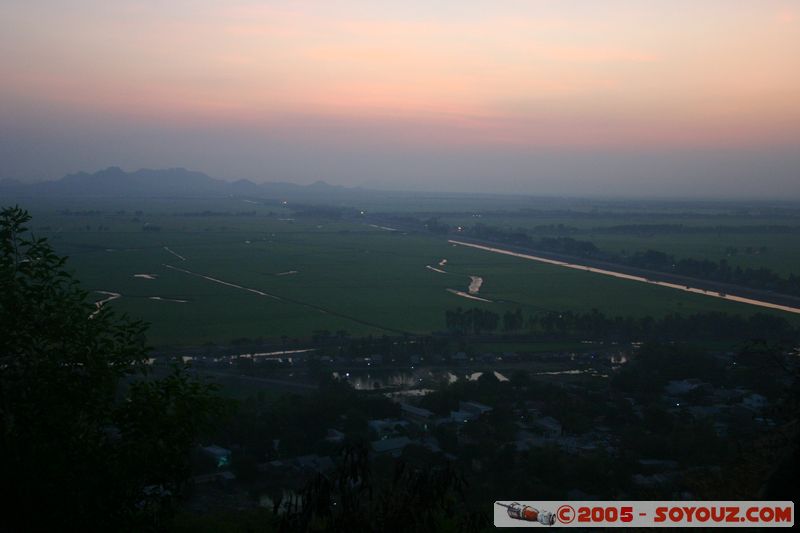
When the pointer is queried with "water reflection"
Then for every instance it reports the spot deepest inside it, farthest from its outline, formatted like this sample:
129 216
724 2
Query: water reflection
415 382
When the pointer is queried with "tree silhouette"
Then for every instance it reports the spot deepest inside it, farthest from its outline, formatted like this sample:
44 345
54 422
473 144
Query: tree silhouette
351 498
87 437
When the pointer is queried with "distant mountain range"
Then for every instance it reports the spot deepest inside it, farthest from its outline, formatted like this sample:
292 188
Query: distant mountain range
173 182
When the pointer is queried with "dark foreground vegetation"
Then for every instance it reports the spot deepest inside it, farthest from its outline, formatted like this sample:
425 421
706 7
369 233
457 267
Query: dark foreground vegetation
87 437
674 422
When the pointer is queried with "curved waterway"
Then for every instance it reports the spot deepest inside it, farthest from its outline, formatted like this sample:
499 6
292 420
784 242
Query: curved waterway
100 303
631 277
475 283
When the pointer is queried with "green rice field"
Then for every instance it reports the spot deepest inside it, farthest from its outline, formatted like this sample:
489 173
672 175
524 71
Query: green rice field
257 271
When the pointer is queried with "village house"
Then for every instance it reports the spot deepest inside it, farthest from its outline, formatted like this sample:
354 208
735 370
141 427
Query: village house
393 447
417 415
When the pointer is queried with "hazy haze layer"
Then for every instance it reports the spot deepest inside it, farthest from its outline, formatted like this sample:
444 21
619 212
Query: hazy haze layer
612 97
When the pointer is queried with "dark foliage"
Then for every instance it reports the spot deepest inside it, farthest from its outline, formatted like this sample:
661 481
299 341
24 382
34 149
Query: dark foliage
353 498
87 438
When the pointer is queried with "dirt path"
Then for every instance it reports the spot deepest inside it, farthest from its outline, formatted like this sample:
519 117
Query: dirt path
384 228
100 303
467 295
179 256
167 299
221 282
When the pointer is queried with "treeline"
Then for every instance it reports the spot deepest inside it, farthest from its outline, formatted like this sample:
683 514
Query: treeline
671 327
209 213
652 229
520 237
329 212
594 325
477 321
262 419
719 271
90 212
555 228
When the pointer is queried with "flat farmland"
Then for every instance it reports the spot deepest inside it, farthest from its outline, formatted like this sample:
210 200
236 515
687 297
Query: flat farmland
268 274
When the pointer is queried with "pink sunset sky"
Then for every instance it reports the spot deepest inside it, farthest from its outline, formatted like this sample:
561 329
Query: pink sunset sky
677 97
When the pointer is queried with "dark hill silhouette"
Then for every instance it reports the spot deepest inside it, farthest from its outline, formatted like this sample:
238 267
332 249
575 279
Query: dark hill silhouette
161 183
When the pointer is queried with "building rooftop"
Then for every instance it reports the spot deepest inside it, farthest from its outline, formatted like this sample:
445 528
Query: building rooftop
314 462
461 416
216 451
390 445
474 407
418 411
549 423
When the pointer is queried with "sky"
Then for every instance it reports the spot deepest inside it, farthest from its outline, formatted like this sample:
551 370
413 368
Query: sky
673 98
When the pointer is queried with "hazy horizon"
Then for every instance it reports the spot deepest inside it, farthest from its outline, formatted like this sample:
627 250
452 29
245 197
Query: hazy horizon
613 98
